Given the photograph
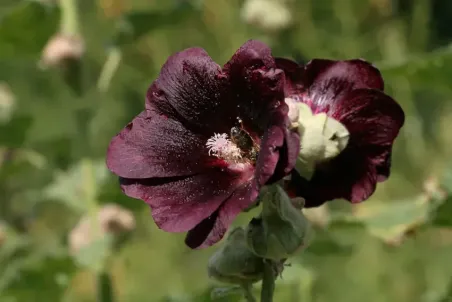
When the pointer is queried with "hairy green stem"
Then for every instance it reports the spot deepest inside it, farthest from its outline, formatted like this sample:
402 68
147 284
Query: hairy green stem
268 282
104 287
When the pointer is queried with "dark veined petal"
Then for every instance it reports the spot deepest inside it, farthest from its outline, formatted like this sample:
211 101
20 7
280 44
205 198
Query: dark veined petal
250 56
212 229
350 176
179 204
371 117
293 76
355 74
257 85
153 145
279 149
192 89
330 81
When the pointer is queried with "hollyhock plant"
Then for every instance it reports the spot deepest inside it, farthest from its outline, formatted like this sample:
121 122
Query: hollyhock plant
347 127
208 140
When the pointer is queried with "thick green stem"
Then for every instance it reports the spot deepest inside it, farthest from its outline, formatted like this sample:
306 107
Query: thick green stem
268 282
69 17
104 287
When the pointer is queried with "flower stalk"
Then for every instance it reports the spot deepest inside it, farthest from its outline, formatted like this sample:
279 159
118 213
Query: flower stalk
268 282
104 287
109 69
69 19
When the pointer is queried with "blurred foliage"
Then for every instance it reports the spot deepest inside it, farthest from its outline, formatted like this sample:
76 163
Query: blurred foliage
395 247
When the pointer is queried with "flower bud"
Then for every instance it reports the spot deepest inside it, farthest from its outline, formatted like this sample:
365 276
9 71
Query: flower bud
281 230
234 262
7 103
111 219
114 219
268 15
2 235
62 48
433 189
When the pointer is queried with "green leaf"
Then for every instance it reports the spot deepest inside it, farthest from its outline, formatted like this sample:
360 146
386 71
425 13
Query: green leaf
25 20
432 69
390 221
14 133
78 186
135 25
446 180
48 273
442 214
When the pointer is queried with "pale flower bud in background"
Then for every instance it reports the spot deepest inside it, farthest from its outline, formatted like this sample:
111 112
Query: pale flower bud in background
268 15
61 48
114 219
319 216
110 219
2 235
432 188
7 103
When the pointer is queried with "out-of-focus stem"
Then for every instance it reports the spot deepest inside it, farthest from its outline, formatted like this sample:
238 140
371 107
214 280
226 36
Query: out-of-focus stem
109 69
69 17
104 287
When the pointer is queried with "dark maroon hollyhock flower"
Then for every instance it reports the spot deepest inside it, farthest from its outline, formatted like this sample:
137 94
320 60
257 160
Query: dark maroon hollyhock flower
350 92
206 142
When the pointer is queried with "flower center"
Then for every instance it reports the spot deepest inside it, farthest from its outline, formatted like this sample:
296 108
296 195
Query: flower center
321 137
221 146
238 148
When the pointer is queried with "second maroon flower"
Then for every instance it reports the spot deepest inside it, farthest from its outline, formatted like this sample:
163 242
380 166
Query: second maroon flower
347 126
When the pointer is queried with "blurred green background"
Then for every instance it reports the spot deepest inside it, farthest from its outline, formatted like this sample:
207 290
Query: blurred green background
62 100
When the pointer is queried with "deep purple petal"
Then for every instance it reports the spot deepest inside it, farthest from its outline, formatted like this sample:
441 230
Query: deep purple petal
153 145
381 159
250 56
354 74
269 155
192 89
179 204
212 229
279 149
293 76
329 81
257 85
349 176
371 117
